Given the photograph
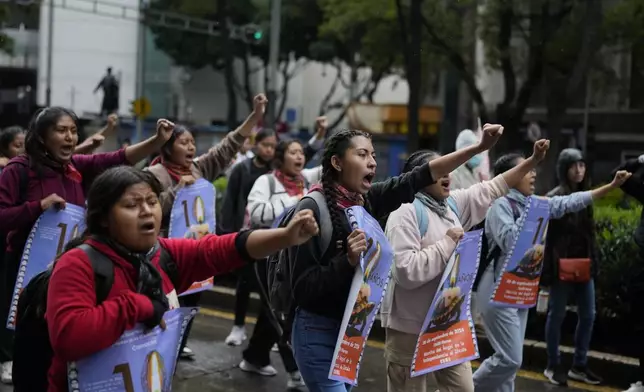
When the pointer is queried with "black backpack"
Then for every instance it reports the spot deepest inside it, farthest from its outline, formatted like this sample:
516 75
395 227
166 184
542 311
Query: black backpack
488 257
32 348
275 276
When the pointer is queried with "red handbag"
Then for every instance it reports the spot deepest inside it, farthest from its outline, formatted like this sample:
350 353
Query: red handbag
574 270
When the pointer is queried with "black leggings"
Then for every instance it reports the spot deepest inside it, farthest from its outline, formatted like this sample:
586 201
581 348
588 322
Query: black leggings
188 301
246 284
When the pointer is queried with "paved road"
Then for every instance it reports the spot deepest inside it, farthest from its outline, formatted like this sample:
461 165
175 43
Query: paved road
215 368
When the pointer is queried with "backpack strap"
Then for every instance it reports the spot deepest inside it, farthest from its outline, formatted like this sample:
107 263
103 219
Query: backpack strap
23 180
421 217
452 205
103 271
271 185
168 265
496 251
326 226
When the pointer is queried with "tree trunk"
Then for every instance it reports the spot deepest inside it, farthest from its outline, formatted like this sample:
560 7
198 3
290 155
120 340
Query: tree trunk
414 73
222 18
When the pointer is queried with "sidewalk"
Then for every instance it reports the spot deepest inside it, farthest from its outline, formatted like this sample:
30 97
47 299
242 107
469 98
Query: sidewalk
616 370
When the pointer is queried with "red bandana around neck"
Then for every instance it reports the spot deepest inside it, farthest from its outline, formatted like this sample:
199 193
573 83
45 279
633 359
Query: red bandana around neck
294 186
345 198
175 171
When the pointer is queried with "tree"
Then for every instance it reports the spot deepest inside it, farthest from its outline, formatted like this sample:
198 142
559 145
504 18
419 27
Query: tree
569 61
300 20
534 22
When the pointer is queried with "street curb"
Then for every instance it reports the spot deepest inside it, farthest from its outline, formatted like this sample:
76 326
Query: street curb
616 370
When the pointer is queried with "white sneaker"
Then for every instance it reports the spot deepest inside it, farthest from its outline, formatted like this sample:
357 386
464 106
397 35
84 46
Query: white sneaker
5 372
295 380
637 387
267 370
236 336
275 348
187 353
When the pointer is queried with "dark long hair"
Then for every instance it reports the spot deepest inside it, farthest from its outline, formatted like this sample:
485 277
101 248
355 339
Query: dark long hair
280 151
418 158
506 162
337 145
44 121
105 192
7 137
166 150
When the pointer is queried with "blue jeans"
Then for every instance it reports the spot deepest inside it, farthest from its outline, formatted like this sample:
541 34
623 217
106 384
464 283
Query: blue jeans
313 340
505 330
584 294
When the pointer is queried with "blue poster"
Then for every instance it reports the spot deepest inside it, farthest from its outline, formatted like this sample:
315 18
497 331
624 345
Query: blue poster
47 239
137 362
518 285
193 216
366 294
193 211
447 337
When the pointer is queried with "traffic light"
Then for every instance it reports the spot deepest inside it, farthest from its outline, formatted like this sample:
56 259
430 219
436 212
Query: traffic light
252 34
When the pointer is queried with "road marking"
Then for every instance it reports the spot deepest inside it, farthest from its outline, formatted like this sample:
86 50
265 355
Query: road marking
530 375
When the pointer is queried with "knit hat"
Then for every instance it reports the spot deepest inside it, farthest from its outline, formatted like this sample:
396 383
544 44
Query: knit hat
466 138
567 157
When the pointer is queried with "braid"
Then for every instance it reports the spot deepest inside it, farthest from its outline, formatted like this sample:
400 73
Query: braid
337 145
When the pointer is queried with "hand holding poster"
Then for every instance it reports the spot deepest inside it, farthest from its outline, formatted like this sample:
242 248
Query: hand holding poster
518 284
193 216
47 239
447 337
137 362
367 291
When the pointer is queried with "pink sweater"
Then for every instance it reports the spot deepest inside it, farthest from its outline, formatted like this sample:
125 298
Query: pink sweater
420 262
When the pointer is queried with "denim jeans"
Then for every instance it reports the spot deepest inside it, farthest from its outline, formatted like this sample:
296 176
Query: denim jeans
313 340
584 294
505 329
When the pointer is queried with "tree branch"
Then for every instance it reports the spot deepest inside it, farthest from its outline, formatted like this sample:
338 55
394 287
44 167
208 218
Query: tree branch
459 64
503 41
284 92
325 101
589 46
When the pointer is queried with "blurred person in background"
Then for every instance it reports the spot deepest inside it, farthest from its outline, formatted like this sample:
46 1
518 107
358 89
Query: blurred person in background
12 144
571 237
634 187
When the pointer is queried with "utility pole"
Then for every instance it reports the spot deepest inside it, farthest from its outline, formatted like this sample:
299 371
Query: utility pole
273 60
50 52
140 68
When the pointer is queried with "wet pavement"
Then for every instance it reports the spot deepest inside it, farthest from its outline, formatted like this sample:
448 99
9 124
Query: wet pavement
215 367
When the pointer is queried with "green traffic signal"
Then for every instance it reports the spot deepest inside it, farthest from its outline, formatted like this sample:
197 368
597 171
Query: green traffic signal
257 35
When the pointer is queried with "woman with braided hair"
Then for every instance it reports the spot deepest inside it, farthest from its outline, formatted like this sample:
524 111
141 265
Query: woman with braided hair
321 278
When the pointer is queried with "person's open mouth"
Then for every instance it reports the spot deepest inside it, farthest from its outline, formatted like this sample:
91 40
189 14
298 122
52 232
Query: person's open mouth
445 184
147 228
368 180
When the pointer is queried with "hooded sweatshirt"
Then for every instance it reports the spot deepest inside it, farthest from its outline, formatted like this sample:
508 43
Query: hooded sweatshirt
79 328
208 166
419 263
572 235
465 175
43 181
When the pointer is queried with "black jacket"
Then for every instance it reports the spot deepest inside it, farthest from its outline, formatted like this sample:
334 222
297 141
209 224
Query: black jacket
322 281
572 236
634 187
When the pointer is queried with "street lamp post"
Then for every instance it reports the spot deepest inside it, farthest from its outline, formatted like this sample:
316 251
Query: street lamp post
274 51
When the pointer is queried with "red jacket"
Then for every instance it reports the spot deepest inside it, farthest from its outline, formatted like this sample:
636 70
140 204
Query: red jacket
79 328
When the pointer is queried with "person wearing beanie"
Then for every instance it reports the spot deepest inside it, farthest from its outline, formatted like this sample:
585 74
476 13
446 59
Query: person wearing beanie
569 269
634 187
465 176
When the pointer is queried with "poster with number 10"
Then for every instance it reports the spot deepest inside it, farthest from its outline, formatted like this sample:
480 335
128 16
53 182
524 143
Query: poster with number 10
193 216
139 361
47 239
518 285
